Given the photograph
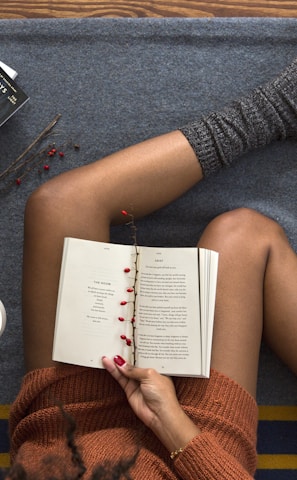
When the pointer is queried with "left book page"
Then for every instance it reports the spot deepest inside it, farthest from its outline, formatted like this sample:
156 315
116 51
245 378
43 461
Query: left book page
93 288
12 97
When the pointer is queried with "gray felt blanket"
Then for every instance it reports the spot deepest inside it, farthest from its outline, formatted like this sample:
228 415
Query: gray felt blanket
117 82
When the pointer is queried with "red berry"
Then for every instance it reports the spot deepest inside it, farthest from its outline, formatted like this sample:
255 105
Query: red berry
123 302
123 212
123 337
18 181
50 153
133 320
61 154
128 342
127 270
46 167
130 290
121 319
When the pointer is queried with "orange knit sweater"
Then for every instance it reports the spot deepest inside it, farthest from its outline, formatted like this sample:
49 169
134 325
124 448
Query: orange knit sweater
107 428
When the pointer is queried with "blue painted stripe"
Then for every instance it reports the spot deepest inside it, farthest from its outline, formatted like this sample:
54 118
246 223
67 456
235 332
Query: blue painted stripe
4 442
277 437
2 475
276 475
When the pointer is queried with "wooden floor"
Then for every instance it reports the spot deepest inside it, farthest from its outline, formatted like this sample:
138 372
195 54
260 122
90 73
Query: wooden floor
154 8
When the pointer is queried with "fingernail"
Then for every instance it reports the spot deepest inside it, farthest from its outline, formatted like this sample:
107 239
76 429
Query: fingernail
119 360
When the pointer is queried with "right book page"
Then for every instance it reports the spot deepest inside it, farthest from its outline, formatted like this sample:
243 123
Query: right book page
208 272
169 332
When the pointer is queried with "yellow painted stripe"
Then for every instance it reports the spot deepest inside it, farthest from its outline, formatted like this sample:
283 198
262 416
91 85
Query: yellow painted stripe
277 462
286 413
4 460
4 411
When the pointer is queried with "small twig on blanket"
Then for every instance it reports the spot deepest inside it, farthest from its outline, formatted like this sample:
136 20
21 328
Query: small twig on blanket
32 145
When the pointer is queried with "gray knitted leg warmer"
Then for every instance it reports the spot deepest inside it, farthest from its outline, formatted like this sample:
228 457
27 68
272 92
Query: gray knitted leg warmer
268 113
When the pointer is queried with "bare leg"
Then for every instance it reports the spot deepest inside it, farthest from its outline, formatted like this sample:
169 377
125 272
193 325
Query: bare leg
257 273
252 249
147 176
83 203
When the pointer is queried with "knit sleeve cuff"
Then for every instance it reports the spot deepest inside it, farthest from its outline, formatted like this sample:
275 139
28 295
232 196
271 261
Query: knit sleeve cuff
201 142
204 458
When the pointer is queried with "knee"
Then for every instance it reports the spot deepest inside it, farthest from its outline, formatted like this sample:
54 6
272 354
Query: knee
46 204
241 227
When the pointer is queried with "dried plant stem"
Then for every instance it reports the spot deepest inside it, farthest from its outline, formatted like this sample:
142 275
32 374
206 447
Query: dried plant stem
31 163
32 145
134 302
29 160
133 230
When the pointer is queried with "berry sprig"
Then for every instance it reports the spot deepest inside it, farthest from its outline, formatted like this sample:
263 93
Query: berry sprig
131 289
41 159
131 224
21 159
30 159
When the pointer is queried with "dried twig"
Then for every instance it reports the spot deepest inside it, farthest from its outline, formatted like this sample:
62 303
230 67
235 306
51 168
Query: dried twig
133 228
32 145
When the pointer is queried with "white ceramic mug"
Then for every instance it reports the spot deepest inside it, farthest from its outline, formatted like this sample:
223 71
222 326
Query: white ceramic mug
2 318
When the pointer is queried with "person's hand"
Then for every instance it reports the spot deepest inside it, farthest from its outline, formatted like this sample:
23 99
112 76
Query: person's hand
153 399
149 393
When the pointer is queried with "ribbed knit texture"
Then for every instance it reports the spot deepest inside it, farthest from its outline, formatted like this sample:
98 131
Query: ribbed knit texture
268 113
107 429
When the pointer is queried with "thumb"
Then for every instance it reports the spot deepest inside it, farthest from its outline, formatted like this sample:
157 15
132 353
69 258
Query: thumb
129 371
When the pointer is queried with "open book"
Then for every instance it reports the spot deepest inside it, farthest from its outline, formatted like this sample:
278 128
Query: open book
153 306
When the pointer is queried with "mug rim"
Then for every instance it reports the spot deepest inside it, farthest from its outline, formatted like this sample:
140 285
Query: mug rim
2 318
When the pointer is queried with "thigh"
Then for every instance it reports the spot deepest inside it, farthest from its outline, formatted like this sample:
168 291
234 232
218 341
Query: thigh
242 239
280 302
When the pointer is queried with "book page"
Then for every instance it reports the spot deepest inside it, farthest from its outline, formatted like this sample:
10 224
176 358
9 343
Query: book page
167 311
208 269
92 285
